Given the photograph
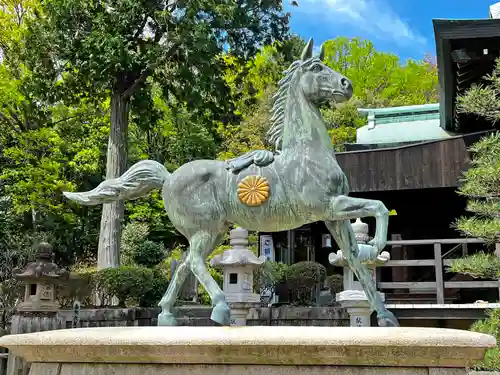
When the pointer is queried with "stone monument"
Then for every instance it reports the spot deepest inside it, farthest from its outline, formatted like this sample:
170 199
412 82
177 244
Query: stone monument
238 265
353 298
262 191
41 278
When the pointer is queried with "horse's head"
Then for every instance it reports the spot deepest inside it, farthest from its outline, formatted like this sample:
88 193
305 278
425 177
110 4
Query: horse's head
320 83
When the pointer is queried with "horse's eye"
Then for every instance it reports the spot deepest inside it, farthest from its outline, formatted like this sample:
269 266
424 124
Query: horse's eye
317 68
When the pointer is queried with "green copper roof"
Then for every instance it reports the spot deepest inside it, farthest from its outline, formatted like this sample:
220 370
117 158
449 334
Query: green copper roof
401 114
401 124
400 110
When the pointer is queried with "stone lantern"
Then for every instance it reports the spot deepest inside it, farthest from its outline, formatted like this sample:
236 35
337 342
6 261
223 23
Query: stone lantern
40 278
353 298
238 265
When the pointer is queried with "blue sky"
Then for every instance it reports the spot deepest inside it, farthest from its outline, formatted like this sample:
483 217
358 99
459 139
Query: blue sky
403 27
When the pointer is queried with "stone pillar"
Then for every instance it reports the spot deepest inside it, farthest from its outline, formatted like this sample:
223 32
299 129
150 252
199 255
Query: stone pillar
353 298
238 265
277 350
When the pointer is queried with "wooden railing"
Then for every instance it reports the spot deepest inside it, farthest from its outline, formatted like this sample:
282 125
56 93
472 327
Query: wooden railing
438 263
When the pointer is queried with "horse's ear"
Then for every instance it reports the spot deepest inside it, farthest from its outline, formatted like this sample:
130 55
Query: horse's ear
322 52
308 50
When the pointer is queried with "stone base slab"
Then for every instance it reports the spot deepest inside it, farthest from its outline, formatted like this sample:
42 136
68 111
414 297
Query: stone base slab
164 369
255 345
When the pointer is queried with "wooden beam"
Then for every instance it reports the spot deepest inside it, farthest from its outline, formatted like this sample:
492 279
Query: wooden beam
447 285
415 263
472 284
408 285
445 241
438 259
408 263
433 313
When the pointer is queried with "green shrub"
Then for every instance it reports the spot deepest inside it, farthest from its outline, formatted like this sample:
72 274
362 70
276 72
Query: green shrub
491 326
127 283
335 283
269 275
301 279
158 289
148 254
133 235
480 265
80 286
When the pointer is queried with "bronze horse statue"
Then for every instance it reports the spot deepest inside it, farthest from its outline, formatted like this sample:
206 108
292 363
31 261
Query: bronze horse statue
261 191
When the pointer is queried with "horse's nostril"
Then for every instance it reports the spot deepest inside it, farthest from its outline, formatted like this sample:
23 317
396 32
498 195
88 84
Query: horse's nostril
344 82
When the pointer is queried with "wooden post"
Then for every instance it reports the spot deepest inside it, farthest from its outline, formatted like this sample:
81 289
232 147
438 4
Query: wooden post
465 251
438 259
398 273
291 247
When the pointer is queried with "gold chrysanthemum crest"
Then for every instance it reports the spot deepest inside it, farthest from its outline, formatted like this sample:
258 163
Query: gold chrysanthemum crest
253 190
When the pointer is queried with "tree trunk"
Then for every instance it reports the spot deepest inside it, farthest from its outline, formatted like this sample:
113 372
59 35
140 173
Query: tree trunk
108 252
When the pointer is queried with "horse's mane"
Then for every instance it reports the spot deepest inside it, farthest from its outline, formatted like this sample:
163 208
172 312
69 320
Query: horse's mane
275 132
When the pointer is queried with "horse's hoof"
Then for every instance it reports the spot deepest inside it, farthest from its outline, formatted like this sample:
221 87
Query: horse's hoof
166 319
221 314
387 319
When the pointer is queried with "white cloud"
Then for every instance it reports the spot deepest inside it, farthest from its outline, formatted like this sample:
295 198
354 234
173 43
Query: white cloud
372 16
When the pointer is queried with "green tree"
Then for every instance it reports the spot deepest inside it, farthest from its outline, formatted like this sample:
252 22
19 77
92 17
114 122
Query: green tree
44 148
252 85
117 48
379 80
481 183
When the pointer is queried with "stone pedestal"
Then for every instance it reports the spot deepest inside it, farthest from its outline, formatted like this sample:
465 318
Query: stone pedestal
254 350
356 304
239 312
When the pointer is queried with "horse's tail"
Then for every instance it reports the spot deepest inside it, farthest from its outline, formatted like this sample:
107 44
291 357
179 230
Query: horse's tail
136 182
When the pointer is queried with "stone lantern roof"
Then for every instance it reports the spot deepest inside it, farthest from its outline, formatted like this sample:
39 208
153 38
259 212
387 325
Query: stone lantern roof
239 254
366 253
43 268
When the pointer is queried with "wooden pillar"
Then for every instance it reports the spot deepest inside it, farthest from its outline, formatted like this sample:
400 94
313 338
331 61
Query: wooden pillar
290 247
397 254
438 263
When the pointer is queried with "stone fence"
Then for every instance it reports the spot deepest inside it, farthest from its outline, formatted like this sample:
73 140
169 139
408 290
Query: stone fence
34 321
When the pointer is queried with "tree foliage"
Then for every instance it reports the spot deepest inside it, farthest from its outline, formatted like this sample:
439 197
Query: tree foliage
489 326
379 79
481 183
118 49
173 82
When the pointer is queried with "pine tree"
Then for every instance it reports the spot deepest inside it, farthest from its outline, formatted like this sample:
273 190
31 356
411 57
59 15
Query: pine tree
481 183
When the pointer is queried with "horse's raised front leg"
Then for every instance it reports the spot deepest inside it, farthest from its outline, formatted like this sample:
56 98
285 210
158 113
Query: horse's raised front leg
343 207
343 234
166 318
201 245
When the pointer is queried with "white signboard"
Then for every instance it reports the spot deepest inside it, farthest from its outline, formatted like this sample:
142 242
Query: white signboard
267 247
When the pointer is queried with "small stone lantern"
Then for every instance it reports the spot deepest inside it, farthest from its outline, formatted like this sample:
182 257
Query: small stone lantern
40 278
238 265
353 298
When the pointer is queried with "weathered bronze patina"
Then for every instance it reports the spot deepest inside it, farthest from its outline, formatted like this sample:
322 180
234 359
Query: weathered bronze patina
306 185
